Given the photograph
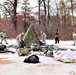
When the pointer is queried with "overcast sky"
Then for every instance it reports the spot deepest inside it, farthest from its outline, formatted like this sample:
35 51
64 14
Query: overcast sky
34 3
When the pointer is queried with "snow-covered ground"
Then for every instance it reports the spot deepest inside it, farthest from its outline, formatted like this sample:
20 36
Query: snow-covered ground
68 44
12 64
10 42
62 44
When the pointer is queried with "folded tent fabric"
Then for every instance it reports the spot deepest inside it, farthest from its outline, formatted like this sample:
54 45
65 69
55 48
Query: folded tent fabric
65 56
68 60
69 56
58 54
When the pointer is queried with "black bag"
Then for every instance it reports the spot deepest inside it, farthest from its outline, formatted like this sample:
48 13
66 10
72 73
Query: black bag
32 59
2 47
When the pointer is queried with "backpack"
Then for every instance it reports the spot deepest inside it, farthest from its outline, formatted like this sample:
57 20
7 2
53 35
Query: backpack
32 59
23 51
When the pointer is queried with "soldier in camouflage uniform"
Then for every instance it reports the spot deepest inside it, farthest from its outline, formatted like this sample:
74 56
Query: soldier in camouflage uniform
56 36
3 37
43 38
19 40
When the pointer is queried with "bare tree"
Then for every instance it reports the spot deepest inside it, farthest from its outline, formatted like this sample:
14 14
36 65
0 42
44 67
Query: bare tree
57 14
72 12
39 3
25 3
48 12
11 7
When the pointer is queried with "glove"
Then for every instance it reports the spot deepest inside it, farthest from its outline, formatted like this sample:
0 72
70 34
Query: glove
5 37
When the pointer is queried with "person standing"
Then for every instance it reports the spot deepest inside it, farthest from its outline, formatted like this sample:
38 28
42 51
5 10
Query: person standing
43 38
74 36
19 40
3 37
57 36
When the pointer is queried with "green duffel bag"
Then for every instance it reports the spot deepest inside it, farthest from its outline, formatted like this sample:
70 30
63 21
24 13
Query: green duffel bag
23 51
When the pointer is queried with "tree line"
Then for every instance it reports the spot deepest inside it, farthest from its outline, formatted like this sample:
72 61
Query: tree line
51 14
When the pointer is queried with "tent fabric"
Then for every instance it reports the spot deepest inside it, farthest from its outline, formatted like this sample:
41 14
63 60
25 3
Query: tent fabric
65 56
58 55
30 37
68 60
69 55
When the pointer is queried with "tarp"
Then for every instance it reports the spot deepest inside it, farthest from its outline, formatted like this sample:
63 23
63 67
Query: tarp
69 56
57 55
65 56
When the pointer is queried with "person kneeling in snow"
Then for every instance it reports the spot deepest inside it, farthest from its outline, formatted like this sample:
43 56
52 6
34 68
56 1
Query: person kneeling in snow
20 41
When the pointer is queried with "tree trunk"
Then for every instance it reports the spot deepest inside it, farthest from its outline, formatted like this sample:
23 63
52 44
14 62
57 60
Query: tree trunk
48 13
14 16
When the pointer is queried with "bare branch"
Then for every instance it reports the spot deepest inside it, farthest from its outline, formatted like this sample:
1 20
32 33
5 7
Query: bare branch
10 2
6 9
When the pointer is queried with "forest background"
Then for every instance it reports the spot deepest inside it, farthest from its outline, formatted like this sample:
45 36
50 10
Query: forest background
44 15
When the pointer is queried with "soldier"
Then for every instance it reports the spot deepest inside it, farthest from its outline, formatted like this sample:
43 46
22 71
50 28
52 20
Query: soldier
56 36
19 40
74 36
3 37
43 38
